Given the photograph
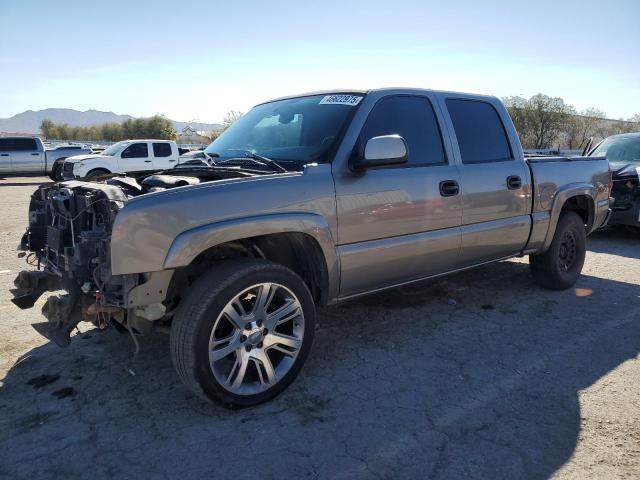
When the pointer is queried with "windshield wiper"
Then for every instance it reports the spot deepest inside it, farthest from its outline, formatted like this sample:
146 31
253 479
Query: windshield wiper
259 159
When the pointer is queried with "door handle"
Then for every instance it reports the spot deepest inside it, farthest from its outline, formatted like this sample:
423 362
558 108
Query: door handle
514 182
172 160
449 188
35 154
147 161
4 154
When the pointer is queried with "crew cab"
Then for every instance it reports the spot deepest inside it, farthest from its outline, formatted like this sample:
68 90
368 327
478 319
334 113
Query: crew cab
128 156
29 155
309 200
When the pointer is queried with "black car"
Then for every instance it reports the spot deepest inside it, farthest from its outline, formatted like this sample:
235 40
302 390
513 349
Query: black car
623 153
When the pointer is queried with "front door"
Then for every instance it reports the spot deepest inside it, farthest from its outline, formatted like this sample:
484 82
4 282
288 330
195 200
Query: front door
25 155
397 224
136 158
495 186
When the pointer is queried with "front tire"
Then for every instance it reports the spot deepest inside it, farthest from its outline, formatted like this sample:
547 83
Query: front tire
56 171
97 172
559 267
243 332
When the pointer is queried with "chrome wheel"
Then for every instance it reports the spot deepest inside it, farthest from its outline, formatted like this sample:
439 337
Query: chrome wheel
256 338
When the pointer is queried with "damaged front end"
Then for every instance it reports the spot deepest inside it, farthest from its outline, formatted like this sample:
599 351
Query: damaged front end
68 241
68 238
626 207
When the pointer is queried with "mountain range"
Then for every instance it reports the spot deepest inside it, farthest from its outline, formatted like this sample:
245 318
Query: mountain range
29 121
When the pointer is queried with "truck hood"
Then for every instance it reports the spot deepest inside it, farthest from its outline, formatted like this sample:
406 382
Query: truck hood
78 158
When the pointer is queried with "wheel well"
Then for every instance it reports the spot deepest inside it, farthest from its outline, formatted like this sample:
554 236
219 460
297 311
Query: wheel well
299 252
99 170
580 204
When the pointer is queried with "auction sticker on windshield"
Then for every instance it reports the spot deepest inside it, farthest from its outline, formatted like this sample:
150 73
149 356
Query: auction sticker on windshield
351 100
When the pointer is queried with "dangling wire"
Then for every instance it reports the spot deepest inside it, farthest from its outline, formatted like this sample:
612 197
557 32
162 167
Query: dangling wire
135 341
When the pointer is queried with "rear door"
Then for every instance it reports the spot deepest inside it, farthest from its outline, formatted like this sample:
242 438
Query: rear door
5 155
25 155
394 223
496 198
163 155
136 158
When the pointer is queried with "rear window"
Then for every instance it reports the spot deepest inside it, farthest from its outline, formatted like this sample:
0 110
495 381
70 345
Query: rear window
479 130
18 144
161 150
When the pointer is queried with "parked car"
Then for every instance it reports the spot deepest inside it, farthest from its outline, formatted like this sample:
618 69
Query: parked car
313 200
29 155
128 156
623 153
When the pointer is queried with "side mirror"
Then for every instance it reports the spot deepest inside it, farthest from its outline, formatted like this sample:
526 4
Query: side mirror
382 151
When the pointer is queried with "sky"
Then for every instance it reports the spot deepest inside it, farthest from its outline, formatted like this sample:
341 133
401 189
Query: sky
194 61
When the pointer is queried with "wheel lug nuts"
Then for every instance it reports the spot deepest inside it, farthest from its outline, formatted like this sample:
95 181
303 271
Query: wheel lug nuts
259 323
260 345
243 338
247 326
248 348
265 331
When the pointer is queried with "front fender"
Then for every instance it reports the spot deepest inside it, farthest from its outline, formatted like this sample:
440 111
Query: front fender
92 165
560 199
189 244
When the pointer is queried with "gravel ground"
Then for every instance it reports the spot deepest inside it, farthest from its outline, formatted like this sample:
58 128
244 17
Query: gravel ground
479 375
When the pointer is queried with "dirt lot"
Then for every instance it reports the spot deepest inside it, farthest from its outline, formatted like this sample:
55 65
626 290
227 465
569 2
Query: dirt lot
480 375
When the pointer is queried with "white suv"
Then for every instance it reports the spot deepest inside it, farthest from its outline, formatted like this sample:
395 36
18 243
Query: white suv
128 156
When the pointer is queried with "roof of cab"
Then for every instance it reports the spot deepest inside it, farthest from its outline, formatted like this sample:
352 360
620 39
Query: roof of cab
378 90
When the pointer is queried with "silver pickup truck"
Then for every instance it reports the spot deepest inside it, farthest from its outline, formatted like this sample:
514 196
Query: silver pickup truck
29 155
308 201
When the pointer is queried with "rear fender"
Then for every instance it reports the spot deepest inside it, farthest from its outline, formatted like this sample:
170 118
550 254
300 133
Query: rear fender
560 199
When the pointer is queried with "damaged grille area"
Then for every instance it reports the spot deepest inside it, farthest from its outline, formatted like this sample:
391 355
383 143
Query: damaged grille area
69 236
69 240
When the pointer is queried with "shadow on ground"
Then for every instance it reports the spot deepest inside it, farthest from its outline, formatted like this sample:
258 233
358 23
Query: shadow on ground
616 241
475 375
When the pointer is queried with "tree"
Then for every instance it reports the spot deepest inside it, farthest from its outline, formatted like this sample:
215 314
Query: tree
591 121
230 118
518 110
47 127
580 127
157 127
539 120
160 127
547 117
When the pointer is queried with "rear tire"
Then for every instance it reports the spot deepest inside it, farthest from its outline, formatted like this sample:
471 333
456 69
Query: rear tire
226 347
559 267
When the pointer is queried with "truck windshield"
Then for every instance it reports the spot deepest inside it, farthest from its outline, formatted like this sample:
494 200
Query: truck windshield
300 130
619 149
113 149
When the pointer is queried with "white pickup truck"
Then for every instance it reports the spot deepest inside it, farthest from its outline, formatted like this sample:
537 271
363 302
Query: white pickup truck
29 155
127 156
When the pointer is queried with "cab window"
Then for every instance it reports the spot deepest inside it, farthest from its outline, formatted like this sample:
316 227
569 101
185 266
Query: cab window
412 118
479 130
136 150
